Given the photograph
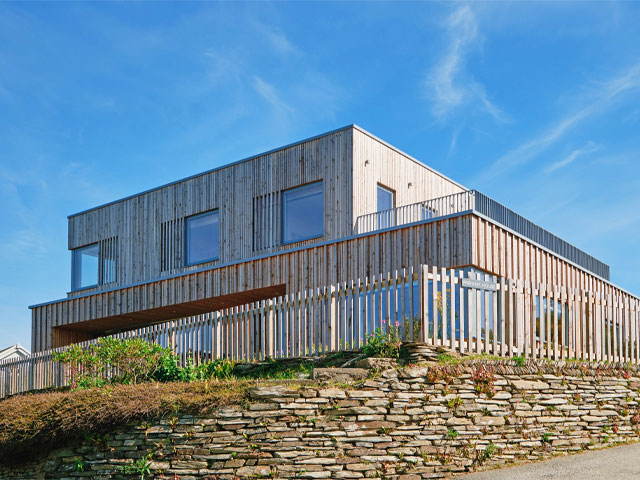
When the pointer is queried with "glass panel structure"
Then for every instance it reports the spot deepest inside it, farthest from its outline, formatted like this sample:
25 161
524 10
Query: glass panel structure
203 238
303 213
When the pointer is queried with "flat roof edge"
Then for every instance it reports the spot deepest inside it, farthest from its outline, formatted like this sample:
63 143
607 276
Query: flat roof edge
221 167
405 154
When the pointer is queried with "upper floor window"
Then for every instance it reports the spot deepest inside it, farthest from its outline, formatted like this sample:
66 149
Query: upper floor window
386 198
386 202
203 237
85 264
303 213
94 264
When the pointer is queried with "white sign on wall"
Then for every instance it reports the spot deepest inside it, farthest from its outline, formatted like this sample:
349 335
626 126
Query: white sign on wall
479 284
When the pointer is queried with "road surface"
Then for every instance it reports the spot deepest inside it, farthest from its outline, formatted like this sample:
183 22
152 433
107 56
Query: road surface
617 463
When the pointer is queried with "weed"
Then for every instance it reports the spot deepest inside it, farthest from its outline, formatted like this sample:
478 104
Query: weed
519 361
483 380
454 403
141 467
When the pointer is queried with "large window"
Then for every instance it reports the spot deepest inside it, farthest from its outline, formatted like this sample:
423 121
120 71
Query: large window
84 267
303 213
203 238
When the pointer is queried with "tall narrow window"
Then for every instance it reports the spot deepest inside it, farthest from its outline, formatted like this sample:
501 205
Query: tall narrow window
84 267
386 199
386 203
203 238
303 213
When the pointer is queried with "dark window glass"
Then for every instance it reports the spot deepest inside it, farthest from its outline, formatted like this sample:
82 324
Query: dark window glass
303 213
203 238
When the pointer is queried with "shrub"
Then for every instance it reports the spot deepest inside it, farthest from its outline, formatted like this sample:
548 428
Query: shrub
128 361
383 344
220 369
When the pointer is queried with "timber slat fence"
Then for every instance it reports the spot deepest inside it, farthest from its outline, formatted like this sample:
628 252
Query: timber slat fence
475 201
464 310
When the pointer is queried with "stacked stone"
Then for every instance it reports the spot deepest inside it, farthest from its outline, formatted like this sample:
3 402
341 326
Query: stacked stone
418 422
417 352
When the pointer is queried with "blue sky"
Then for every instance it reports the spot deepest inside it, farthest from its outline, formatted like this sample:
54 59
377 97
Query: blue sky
535 104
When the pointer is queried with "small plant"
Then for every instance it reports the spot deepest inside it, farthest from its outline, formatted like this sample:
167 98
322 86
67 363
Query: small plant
546 438
452 433
79 466
141 467
454 403
484 379
381 344
519 361
488 453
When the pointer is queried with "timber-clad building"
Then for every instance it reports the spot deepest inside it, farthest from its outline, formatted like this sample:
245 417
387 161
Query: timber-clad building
329 209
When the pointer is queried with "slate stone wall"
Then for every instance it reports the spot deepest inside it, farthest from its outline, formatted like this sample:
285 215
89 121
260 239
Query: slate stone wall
419 422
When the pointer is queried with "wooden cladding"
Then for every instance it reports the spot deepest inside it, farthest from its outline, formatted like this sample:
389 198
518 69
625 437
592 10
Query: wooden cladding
172 245
149 225
248 194
440 242
463 310
108 261
266 221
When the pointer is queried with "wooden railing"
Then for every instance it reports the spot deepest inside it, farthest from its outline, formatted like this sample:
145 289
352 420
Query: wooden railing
464 310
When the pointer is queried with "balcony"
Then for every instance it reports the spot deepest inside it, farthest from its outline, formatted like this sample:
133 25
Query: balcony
472 201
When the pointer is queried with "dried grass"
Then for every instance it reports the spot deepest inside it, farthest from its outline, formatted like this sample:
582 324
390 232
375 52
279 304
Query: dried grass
34 423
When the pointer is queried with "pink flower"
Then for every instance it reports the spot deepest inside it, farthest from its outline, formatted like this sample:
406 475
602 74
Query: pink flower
397 324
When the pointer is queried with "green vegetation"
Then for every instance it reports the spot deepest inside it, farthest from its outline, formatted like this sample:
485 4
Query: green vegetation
138 361
484 380
141 467
381 344
454 403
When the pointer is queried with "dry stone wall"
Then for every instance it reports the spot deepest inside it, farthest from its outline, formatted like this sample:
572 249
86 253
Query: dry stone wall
419 422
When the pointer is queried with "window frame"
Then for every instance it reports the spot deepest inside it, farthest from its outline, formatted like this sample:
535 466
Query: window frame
76 267
283 218
186 238
387 189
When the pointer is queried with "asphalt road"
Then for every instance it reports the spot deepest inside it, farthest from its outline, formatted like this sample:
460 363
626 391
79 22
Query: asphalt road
617 463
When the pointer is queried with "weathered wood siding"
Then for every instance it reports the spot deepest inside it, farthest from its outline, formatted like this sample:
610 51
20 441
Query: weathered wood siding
504 253
149 226
375 162
445 243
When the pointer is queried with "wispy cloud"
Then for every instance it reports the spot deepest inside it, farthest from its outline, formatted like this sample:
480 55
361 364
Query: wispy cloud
278 40
449 87
268 92
590 147
595 102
